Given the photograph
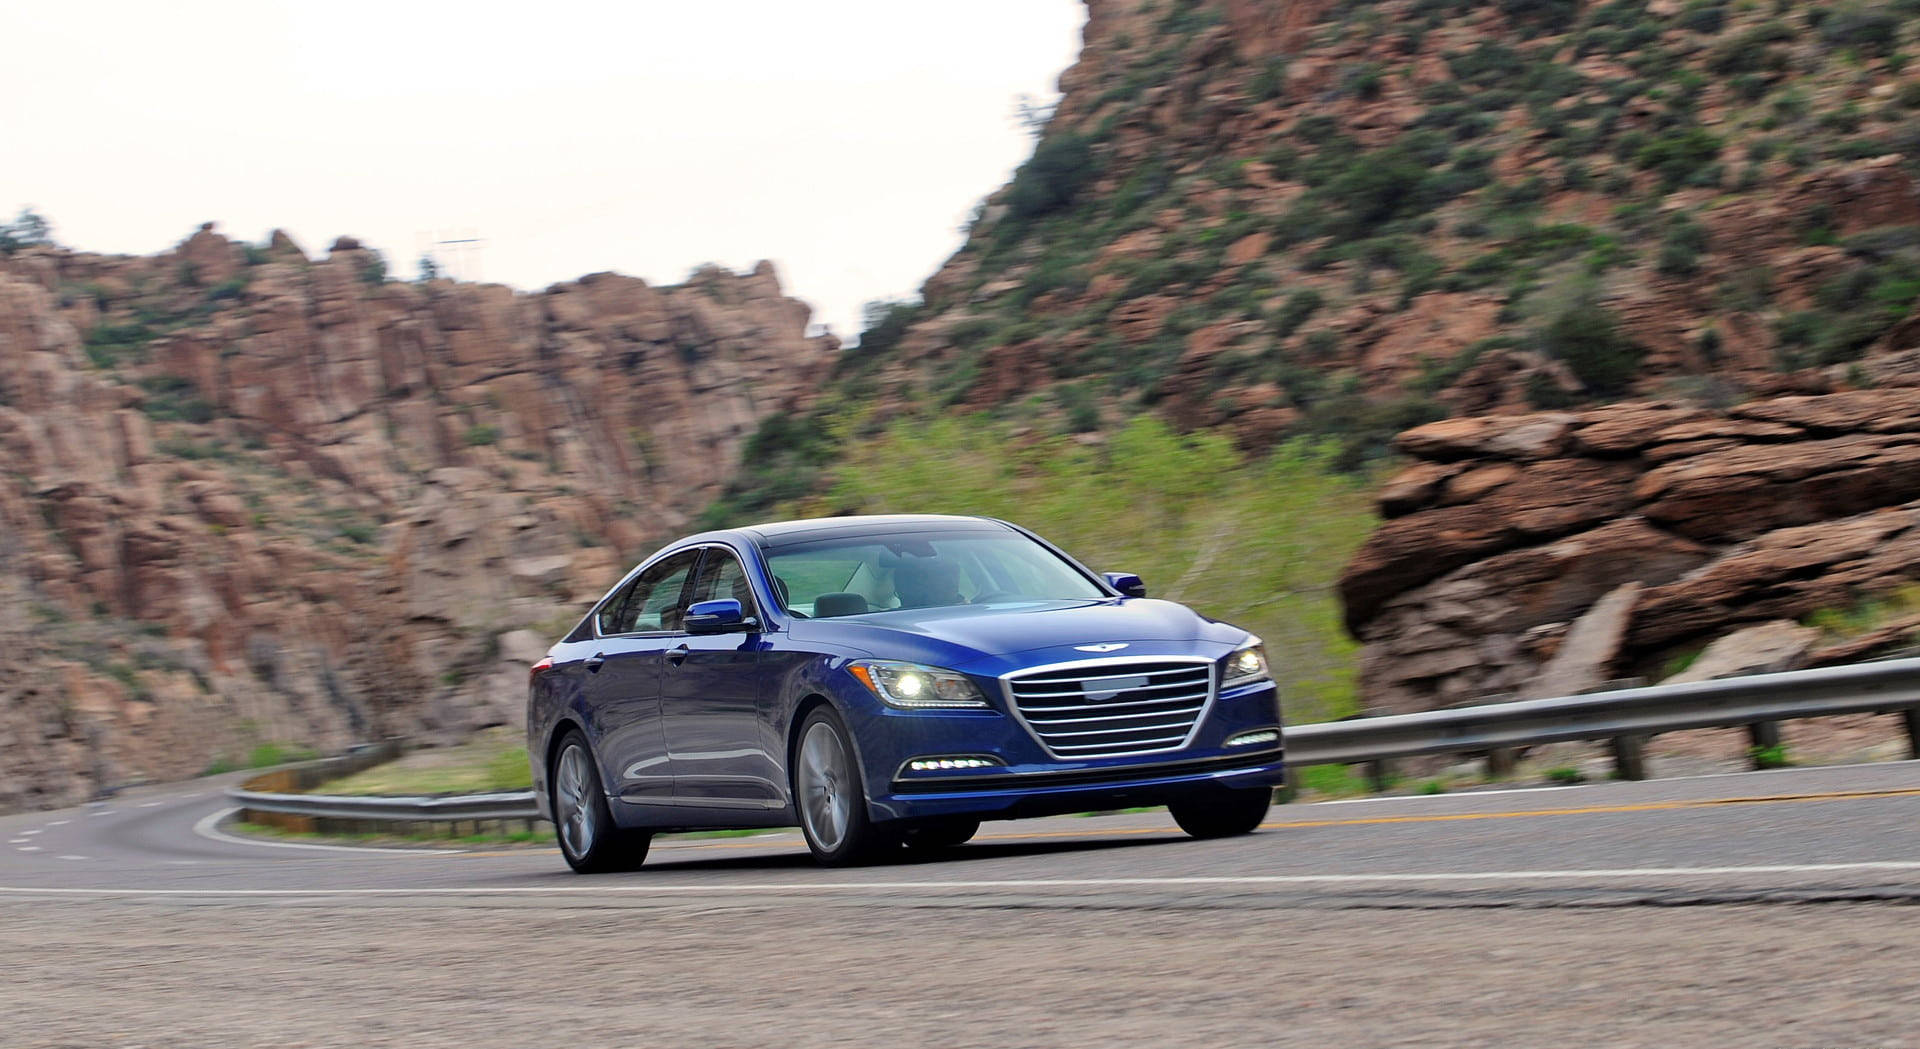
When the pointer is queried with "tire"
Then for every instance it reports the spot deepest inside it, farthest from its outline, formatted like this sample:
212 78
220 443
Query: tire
1222 812
589 839
936 834
829 796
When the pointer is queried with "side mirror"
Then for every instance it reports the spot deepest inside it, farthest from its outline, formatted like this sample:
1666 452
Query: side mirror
1127 583
724 616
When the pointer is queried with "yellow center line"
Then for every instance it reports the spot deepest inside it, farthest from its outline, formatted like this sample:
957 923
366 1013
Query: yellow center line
1366 821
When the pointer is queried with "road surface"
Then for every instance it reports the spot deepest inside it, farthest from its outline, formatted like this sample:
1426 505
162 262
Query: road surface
1768 909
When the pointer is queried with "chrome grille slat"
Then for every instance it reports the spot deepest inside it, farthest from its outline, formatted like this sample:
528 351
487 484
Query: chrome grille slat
1108 717
1076 684
1058 704
1130 731
1149 744
1031 697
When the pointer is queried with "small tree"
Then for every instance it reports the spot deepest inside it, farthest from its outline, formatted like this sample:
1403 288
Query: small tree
27 229
429 269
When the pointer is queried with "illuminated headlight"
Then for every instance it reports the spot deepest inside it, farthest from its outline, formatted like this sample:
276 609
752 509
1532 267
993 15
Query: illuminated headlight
1247 665
1248 739
911 686
950 764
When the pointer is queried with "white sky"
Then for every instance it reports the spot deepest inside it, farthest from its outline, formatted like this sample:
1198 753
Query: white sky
844 139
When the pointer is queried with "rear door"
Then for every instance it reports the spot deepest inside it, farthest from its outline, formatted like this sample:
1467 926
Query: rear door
715 701
623 678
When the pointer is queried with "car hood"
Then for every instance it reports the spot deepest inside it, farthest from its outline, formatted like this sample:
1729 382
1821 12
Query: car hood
959 635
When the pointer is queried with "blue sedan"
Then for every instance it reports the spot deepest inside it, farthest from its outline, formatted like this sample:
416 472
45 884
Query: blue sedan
890 682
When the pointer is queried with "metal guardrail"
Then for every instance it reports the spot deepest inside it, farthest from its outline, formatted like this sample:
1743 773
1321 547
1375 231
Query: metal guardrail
1861 688
1892 686
511 805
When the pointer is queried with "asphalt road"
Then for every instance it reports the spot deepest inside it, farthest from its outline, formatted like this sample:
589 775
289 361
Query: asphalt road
1756 909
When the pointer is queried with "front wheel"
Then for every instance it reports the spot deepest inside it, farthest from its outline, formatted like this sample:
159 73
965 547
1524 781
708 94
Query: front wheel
828 792
1222 812
589 839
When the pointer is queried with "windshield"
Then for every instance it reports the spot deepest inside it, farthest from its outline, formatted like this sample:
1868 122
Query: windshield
860 574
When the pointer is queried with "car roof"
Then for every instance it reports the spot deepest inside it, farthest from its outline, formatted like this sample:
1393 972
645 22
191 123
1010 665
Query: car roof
786 533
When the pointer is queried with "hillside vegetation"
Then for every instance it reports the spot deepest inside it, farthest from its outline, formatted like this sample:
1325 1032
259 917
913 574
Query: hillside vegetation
1255 543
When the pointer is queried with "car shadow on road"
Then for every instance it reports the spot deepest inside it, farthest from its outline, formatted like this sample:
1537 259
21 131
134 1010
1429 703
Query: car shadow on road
958 857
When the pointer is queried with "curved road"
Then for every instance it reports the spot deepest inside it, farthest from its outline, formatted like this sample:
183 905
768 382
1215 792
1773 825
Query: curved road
1764 908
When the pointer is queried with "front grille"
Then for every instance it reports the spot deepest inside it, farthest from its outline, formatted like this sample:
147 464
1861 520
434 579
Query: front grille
1108 709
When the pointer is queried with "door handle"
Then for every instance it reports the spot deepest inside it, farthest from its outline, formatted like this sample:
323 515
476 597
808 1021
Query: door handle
678 654
596 661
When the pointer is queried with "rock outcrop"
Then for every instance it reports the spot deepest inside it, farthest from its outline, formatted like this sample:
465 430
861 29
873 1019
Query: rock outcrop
256 499
1506 529
1286 217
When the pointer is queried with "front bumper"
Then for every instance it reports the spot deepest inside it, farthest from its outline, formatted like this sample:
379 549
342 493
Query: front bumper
1003 795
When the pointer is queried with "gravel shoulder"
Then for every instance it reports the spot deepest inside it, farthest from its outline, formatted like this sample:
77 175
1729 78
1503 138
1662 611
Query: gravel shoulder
166 975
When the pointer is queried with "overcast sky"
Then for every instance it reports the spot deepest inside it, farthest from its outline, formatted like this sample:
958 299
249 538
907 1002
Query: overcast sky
844 139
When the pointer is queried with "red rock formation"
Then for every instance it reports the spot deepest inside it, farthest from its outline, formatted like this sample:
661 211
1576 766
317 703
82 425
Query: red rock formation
1766 511
253 498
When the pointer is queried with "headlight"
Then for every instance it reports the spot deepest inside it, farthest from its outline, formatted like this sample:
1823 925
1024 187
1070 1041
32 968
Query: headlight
911 686
1247 665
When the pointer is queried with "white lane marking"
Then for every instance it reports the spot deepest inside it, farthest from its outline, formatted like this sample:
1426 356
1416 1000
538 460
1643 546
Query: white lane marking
30 833
805 888
18 841
58 823
29 848
206 828
71 857
101 812
151 804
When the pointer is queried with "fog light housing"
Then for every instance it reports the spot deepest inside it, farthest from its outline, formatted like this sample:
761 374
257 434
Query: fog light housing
1254 738
951 763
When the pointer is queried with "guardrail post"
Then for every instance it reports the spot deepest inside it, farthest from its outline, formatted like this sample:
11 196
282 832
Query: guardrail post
1501 762
1911 718
1629 757
1765 739
1380 775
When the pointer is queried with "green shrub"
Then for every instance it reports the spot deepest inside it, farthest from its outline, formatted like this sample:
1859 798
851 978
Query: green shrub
1061 166
1751 51
482 434
1868 28
1678 156
1703 16
1681 248
1588 341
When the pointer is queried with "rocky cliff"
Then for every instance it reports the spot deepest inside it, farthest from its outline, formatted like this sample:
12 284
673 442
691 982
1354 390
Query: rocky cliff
1285 217
256 498
1507 529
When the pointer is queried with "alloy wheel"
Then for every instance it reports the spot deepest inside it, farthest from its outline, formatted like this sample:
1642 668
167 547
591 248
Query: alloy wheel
577 816
826 785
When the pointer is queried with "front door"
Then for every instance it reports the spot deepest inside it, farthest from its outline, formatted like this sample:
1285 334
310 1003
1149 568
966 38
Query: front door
623 679
714 699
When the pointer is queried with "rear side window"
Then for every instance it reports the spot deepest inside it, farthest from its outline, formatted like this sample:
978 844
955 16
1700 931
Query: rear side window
651 603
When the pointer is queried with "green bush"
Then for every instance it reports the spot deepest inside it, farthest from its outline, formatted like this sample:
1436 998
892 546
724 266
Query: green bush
1589 342
1752 51
482 434
1681 248
1679 156
1868 28
1061 166
1703 16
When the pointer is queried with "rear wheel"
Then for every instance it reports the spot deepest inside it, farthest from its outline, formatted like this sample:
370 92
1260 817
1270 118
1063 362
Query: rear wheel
589 839
935 834
1222 812
828 792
